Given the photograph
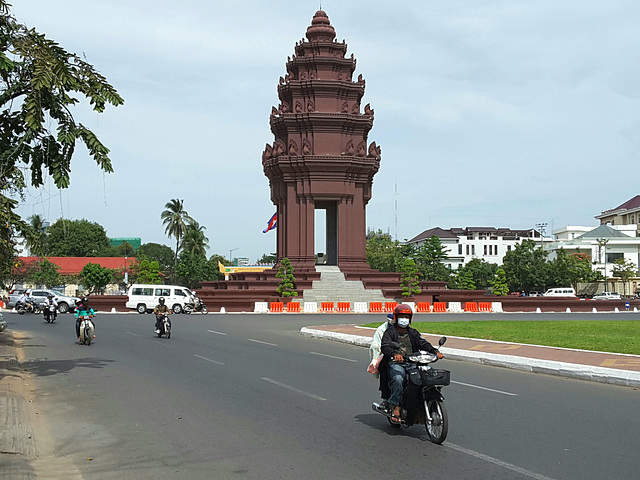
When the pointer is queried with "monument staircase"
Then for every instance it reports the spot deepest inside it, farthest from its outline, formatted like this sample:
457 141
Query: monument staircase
332 287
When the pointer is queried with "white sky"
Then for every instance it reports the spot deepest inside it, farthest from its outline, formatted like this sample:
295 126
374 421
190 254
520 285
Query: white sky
488 113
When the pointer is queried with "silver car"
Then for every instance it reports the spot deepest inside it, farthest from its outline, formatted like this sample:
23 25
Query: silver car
607 296
39 295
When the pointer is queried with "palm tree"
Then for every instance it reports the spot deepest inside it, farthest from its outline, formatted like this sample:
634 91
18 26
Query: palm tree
194 241
174 217
36 236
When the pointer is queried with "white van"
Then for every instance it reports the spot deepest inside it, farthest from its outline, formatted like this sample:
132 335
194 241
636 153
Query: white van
560 292
144 298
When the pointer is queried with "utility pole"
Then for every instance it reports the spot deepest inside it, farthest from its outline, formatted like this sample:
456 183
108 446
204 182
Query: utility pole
541 227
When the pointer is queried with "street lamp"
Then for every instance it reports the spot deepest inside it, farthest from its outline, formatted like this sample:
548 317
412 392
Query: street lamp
602 242
231 250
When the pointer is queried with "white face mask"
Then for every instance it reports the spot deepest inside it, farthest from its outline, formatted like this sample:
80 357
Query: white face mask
403 322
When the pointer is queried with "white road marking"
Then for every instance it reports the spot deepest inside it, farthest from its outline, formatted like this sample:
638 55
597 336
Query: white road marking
293 389
164 344
260 341
500 463
134 334
208 360
331 356
217 333
485 388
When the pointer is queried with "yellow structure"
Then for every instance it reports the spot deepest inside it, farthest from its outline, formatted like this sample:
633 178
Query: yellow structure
245 268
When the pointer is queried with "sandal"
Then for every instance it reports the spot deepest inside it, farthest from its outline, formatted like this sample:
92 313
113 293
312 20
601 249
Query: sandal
395 419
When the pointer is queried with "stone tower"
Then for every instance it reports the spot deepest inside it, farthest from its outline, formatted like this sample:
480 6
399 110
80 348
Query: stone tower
320 158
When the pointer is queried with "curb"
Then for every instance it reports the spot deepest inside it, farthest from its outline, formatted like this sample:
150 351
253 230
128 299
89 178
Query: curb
549 367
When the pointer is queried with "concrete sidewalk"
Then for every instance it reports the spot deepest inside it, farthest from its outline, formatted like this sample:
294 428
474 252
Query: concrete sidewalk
602 367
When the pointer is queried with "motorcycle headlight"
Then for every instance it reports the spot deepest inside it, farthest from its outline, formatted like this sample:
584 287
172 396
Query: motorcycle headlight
422 357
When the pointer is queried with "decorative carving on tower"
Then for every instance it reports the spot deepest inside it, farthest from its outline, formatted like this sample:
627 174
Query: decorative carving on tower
327 164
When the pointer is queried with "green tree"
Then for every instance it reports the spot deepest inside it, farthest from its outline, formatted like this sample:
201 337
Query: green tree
462 280
285 273
11 273
94 277
149 272
39 84
526 266
482 272
429 257
36 236
213 267
156 252
193 269
571 269
77 238
175 218
383 253
409 278
45 273
499 283
194 240
624 270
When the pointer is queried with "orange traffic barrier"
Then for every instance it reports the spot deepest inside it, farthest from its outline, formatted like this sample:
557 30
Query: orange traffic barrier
440 307
375 307
327 306
471 306
276 307
423 307
293 307
389 306
344 306
485 306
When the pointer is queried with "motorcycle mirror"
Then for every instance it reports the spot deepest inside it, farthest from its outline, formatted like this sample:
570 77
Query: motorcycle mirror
442 340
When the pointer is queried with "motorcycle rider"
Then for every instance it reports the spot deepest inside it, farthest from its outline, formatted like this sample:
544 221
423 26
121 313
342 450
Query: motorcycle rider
47 303
378 366
82 310
25 299
398 341
160 309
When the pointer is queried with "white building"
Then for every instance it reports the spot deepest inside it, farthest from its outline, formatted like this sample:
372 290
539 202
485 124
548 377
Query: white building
605 244
484 243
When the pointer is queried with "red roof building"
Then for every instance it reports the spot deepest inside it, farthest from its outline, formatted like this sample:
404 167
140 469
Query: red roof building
74 265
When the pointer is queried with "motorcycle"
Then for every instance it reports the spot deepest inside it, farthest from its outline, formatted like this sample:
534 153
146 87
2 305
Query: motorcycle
87 328
50 312
165 325
422 401
196 306
27 307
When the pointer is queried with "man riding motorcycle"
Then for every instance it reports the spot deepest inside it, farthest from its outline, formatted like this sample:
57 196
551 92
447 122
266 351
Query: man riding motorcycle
398 341
160 310
83 309
47 311
25 299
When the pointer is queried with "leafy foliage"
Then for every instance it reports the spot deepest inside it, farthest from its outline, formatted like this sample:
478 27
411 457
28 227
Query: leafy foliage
383 253
45 273
409 279
526 266
156 252
95 277
624 270
499 284
149 272
285 273
77 238
174 218
40 82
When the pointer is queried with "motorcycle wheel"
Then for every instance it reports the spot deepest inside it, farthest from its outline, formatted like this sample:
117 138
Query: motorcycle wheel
87 337
168 331
204 309
439 427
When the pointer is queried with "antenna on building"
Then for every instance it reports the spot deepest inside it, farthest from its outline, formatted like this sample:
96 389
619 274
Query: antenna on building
395 209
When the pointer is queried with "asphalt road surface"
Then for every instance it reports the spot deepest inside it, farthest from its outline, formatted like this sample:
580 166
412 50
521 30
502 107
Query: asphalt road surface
247 397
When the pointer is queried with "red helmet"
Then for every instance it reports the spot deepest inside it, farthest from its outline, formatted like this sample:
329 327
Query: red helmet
404 310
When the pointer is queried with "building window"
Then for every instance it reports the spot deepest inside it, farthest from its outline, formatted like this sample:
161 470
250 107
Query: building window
485 249
459 249
467 249
633 219
473 249
508 248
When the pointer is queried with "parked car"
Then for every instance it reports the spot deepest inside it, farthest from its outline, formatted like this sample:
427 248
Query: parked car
560 292
533 293
607 296
39 295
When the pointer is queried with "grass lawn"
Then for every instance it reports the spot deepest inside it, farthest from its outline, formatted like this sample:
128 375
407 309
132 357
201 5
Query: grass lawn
603 336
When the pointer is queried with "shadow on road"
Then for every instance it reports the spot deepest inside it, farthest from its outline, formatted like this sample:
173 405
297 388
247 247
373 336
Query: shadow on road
45 368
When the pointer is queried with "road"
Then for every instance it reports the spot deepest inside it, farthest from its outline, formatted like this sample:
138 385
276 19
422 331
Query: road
246 396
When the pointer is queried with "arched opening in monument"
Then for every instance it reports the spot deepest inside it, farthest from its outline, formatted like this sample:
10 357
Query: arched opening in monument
326 233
